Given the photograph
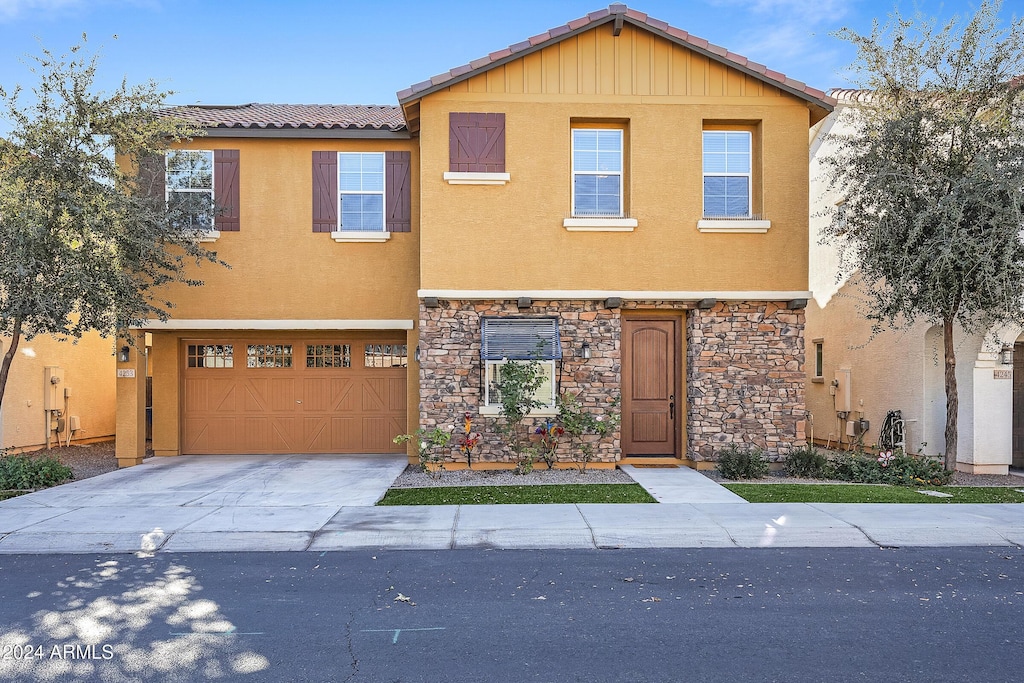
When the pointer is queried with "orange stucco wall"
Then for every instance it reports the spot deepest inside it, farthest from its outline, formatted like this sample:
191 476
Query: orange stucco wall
511 236
281 269
88 371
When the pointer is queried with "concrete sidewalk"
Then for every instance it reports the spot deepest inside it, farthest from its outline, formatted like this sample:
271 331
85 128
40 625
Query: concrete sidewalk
319 503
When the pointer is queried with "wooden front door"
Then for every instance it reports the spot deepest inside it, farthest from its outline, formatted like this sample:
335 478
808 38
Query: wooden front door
1018 405
650 388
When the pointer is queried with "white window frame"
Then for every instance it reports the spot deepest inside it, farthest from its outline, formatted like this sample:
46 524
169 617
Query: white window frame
383 192
546 397
210 234
819 360
620 172
749 175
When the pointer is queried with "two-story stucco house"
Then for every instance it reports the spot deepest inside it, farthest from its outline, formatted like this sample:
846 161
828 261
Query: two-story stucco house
616 197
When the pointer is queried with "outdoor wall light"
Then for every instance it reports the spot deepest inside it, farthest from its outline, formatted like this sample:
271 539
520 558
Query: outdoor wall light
1006 354
123 354
585 351
416 353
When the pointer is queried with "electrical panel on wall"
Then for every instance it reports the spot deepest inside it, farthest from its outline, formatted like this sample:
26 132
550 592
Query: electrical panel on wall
53 388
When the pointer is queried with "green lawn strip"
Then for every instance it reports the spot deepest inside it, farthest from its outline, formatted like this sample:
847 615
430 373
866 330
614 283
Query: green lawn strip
506 495
860 493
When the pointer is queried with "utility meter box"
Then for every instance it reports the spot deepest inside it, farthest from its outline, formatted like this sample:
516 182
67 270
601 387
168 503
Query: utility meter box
53 388
842 385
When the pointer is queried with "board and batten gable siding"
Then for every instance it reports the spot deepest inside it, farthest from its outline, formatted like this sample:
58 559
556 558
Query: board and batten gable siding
276 249
662 95
476 142
634 63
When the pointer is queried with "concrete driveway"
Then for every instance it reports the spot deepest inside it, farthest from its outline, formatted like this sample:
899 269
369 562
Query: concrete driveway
326 502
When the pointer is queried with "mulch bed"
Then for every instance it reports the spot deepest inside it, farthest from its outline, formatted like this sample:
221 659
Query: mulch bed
86 460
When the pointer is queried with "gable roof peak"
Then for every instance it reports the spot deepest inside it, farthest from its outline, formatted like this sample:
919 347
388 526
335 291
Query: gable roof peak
619 14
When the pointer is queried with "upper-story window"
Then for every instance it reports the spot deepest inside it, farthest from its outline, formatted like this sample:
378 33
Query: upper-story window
727 174
362 196
597 162
361 190
189 187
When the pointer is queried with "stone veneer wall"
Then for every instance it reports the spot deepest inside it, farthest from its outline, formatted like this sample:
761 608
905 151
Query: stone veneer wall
451 371
744 370
745 378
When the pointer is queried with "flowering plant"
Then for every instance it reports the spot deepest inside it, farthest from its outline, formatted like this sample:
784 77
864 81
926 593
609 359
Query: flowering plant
550 434
885 457
469 439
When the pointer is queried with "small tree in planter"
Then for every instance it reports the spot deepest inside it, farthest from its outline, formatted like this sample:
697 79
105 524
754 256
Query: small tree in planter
516 385
430 445
580 423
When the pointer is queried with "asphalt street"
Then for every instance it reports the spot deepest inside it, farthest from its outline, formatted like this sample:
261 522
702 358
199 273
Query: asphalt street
914 614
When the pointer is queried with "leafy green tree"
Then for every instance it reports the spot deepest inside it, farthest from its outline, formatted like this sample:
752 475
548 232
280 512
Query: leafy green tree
931 173
87 240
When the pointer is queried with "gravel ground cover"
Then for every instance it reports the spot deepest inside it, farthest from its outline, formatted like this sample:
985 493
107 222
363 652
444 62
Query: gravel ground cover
86 460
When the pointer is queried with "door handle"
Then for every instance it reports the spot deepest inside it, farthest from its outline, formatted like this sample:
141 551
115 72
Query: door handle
672 407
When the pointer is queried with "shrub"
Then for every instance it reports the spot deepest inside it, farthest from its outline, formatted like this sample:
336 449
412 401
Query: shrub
889 467
430 445
807 462
24 472
742 463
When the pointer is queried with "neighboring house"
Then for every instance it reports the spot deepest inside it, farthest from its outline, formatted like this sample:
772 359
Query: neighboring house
615 196
85 394
901 370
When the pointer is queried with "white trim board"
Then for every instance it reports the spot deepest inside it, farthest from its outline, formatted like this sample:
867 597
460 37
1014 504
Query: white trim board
547 294
185 324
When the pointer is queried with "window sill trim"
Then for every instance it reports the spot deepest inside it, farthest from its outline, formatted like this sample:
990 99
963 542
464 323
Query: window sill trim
596 224
360 236
495 411
737 225
209 236
472 178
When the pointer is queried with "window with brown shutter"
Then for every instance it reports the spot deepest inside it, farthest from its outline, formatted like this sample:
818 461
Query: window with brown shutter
225 190
476 142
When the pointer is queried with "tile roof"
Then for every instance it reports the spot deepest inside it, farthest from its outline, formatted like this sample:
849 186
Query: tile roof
293 116
613 13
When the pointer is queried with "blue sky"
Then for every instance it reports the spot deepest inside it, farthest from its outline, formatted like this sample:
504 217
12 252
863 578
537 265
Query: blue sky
299 51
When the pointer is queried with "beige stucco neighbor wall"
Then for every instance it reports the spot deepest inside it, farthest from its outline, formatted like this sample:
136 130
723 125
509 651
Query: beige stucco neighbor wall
511 237
89 373
897 369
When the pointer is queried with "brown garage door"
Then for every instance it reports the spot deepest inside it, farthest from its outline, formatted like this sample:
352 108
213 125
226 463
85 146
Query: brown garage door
293 395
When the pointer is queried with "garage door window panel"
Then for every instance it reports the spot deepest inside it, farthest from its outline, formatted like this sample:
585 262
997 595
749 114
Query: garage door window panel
386 356
328 356
210 356
269 356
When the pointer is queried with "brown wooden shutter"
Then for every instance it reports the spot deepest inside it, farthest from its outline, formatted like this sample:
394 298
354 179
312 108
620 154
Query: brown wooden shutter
152 177
476 142
398 203
325 191
225 190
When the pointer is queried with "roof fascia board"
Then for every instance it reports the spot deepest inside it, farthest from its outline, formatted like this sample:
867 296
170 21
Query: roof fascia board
308 133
